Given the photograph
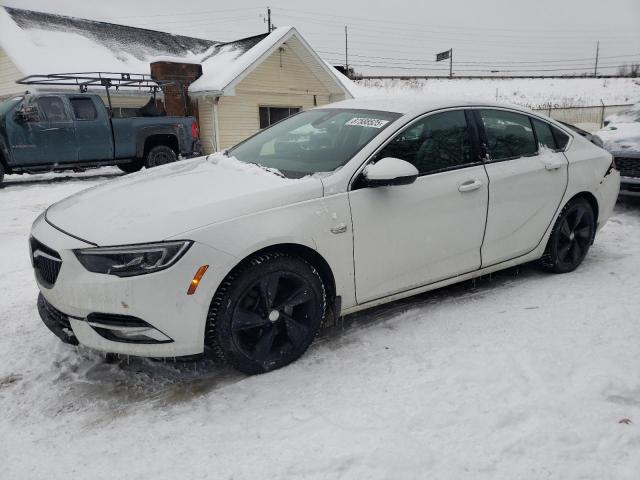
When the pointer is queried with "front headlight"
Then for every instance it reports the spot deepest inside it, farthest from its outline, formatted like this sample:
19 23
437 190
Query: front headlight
130 260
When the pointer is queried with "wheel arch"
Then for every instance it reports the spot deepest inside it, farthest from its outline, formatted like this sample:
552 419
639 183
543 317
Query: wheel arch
161 139
4 157
589 197
313 257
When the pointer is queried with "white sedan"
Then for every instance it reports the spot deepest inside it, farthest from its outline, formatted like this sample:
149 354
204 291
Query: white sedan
244 254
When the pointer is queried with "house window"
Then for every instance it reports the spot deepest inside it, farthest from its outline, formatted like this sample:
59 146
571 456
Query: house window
271 115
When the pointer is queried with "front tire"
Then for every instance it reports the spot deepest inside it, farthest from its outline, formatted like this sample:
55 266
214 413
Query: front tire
131 167
160 155
571 237
266 313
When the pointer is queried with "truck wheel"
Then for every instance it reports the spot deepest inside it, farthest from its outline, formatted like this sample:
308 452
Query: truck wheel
160 155
131 167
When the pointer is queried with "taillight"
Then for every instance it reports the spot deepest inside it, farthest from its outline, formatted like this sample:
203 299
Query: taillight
195 131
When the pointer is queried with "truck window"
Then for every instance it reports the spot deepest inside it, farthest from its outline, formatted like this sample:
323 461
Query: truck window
84 109
52 109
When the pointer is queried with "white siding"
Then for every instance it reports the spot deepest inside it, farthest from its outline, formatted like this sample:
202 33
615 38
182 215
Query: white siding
9 73
206 123
281 80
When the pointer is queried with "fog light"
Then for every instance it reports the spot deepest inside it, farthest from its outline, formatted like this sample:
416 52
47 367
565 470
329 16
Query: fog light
196 279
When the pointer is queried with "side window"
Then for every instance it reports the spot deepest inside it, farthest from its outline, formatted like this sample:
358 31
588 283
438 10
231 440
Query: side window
544 133
52 109
271 115
509 134
562 139
84 109
434 143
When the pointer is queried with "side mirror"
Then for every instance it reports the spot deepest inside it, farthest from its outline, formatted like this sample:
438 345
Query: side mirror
28 113
390 171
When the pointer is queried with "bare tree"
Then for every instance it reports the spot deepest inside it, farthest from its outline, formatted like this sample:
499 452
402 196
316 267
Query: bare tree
629 70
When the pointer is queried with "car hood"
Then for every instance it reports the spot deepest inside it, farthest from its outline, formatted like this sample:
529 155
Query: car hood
620 139
173 199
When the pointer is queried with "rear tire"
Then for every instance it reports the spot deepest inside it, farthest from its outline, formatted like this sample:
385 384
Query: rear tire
571 237
266 313
131 167
160 155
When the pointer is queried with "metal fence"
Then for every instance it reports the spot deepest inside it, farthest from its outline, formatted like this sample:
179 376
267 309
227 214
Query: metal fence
591 117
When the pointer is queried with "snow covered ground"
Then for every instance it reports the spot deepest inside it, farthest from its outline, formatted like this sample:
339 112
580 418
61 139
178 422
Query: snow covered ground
528 92
523 375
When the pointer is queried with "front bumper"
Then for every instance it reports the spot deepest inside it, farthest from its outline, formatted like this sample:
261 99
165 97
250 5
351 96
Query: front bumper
149 315
630 186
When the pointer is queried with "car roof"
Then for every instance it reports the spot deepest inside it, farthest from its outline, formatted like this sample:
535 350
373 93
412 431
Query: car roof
405 104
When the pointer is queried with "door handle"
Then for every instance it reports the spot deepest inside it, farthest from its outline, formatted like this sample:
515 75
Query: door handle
552 166
470 185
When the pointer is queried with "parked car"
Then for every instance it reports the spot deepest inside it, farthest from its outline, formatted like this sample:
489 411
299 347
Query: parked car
622 140
325 213
75 131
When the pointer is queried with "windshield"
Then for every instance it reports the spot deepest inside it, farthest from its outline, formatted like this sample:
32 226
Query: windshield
313 141
6 106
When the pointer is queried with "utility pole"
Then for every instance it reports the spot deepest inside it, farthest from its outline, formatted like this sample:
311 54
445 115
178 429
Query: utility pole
451 63
346 51
595 70
269 28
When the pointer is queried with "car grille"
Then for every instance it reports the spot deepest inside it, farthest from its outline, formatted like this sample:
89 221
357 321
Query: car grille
46 263
628 167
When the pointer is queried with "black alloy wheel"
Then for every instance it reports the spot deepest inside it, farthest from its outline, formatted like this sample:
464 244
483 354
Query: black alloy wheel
571 237
267 314
160 155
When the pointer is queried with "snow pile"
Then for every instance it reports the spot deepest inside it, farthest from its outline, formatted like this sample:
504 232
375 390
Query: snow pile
620 137
628 116
529 92
232 163
521 375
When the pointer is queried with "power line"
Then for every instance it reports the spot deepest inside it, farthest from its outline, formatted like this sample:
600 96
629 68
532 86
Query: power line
497 63
457 30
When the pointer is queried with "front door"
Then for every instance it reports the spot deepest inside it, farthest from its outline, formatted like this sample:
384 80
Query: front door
412 235
59 134
527 180
26 139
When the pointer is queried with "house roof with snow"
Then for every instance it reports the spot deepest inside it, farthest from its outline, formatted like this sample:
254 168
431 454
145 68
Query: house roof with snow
44 43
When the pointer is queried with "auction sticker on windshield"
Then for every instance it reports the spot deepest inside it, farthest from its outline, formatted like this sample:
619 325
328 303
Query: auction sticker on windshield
367 122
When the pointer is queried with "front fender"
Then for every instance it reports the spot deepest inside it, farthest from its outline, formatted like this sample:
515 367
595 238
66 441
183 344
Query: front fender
308 224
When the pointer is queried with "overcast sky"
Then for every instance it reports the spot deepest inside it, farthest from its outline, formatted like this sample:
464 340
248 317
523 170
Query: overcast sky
402 37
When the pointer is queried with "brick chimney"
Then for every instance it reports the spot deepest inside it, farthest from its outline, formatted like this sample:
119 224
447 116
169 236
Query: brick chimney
176 97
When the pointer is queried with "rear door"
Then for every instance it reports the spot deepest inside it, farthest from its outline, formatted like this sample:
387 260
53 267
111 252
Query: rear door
59 134
93 128
527 180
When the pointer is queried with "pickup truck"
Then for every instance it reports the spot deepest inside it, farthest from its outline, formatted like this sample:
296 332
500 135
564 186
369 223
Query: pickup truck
66 131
